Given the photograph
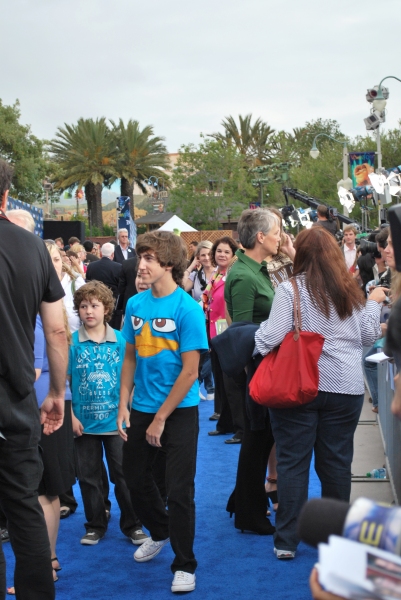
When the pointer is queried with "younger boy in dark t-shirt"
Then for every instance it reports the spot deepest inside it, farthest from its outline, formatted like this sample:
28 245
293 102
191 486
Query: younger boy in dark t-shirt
165 332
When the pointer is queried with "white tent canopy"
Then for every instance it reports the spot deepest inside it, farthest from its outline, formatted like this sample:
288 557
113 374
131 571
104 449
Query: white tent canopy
176 224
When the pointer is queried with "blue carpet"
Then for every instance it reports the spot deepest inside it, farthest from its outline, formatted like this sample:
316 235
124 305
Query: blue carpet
231 564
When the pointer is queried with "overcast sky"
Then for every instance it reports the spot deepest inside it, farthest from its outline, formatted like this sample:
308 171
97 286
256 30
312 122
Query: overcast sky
182 66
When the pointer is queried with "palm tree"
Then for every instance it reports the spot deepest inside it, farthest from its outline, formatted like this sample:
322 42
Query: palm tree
138 155
251 140
84 153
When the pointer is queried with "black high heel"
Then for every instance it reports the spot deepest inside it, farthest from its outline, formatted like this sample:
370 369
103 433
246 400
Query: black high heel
261 529
272 496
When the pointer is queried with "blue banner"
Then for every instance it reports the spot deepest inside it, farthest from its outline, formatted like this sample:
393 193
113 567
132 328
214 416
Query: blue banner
37 213
124 219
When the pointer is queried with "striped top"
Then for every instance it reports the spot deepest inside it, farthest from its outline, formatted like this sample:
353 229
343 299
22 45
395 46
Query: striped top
340 364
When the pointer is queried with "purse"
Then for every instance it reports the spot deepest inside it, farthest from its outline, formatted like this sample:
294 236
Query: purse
288 376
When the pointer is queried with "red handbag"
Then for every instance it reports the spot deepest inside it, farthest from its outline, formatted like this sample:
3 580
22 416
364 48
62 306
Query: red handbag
288 376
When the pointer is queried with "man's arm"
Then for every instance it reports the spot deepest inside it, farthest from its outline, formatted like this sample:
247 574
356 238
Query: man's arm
52 410
126 385
184 382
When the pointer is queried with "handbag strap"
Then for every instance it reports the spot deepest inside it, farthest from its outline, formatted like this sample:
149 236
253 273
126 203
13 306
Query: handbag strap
297 309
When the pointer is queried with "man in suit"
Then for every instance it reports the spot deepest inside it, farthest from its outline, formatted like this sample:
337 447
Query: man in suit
108 272
126 286
123 251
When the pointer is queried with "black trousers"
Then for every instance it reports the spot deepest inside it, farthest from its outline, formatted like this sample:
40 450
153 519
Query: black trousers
248 499
180 441
20 474
89 463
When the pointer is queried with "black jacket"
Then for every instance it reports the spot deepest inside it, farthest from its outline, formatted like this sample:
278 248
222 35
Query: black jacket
126 286
106 271
119 256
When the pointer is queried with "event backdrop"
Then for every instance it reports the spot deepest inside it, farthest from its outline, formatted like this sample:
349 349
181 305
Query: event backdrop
37 213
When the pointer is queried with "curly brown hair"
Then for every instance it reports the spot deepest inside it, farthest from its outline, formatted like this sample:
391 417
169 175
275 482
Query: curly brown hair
223 240
95 290
169 250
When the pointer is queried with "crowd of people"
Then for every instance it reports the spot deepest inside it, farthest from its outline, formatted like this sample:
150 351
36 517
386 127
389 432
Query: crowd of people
116 344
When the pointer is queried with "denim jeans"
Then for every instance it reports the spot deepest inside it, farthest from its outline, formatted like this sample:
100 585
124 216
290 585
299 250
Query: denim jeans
89 461
20 473
370 369
205 373
180 441
325 426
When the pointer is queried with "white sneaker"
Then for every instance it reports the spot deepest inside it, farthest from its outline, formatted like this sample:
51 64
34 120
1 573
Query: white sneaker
210 397
183 582
149 550
284 554
201 396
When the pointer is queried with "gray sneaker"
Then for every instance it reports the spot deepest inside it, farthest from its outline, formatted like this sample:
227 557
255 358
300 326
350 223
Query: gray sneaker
91 538
138 537
4 535
149 550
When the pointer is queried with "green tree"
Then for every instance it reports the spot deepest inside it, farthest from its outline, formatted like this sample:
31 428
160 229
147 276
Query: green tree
251 140
207 180
25 152
84 154
138 155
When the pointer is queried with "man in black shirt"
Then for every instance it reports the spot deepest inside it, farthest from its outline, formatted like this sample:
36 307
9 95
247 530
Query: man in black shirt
324 221
29 284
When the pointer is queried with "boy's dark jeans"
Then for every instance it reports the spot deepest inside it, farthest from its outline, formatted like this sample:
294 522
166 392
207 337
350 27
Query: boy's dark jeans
180 441
89 461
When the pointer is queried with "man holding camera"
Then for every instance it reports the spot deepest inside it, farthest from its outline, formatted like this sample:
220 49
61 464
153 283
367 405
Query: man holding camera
324 219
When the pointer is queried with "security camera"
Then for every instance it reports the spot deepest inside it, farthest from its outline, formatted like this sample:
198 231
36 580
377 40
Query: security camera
373 121
371 94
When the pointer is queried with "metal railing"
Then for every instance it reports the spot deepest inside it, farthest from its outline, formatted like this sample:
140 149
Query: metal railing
390 427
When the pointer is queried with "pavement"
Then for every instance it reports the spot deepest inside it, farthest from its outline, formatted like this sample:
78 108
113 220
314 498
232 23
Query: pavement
368 455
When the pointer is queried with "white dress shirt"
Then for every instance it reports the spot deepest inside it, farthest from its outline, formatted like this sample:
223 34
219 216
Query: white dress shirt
349 255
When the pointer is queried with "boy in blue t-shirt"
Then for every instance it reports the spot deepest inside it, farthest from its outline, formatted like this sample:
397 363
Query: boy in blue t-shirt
165 333
96 358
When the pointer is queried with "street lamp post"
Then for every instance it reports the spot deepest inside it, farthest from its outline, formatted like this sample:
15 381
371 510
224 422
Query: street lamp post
48 187
315 153
379 104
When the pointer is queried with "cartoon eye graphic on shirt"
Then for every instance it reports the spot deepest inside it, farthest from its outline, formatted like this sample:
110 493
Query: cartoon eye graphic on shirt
137 323
164 325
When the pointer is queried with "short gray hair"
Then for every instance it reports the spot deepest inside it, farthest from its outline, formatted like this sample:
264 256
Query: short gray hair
107 250
204 244
22 218
122 230
253 221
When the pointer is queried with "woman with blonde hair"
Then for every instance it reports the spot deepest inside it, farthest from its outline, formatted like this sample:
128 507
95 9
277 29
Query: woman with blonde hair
57 449
200 271
77 261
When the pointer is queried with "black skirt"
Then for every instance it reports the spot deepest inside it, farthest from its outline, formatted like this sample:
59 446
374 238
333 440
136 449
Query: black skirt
58 458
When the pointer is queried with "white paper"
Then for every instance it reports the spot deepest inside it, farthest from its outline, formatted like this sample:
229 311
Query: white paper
354 570
377 358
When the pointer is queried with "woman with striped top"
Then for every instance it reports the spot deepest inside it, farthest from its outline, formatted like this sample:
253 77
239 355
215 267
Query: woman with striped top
333 305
